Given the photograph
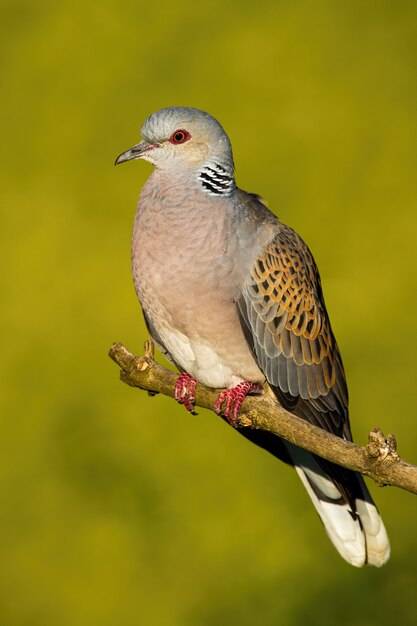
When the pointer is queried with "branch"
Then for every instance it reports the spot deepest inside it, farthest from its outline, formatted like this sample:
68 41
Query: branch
378 460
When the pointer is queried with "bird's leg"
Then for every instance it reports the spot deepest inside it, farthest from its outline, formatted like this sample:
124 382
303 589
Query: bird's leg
233 398
184 391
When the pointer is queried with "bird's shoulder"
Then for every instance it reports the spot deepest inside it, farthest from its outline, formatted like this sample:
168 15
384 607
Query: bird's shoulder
255 206
280 239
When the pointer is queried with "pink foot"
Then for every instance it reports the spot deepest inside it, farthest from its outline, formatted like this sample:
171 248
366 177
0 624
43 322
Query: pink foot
184 391
234 398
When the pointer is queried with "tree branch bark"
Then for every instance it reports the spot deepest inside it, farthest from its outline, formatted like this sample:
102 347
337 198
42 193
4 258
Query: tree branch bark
378 460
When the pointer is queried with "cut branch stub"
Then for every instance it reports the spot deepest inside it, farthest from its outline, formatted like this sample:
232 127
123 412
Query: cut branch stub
380 448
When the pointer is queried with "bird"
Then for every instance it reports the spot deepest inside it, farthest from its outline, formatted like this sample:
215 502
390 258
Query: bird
233 298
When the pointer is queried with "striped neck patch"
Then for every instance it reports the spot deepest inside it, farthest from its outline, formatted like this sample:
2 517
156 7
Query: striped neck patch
216 180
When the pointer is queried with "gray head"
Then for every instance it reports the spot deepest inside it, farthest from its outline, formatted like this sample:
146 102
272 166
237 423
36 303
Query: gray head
186 138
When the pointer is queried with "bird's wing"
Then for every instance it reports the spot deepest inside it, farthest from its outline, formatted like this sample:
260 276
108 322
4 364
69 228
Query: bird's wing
286 324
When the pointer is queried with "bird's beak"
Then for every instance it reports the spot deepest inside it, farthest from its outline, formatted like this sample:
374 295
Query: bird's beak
136 152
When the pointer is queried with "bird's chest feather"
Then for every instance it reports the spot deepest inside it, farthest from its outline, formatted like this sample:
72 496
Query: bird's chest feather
179 266
186 273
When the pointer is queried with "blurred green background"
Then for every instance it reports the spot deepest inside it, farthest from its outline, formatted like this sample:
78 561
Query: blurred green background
120 509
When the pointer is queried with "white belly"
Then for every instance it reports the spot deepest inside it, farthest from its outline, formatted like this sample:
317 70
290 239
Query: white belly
211 367
200 360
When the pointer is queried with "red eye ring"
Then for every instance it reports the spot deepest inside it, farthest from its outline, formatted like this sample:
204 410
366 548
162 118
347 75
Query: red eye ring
180 136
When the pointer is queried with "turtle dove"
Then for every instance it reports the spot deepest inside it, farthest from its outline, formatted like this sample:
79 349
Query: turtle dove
232 296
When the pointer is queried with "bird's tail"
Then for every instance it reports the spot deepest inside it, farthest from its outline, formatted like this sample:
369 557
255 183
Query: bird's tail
345 507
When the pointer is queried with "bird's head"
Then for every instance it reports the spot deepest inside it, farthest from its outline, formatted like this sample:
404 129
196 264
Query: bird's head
181 137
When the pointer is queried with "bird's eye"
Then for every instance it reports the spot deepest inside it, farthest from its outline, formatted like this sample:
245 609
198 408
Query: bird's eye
180 136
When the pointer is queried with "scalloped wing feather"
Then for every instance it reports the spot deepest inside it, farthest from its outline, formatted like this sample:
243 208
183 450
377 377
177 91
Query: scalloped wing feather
283 309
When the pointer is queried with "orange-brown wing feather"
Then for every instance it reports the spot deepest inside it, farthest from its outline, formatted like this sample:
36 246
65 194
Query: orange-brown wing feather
286 323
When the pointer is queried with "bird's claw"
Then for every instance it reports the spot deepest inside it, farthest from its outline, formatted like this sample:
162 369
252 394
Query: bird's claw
233 399
184 391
